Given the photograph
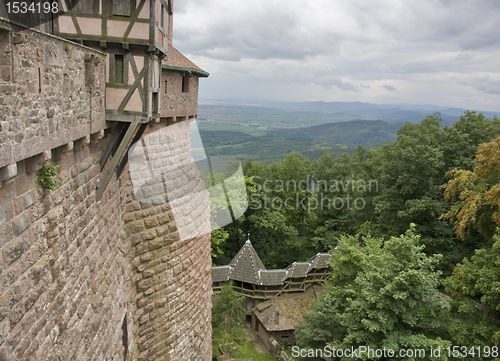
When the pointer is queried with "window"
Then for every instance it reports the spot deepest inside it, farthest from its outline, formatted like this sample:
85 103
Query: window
121 7
86 7
119 68
89 71
185 83
163 17
154 100
166 85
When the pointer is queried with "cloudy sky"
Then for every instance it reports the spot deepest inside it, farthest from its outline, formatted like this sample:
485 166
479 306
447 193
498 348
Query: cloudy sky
443 52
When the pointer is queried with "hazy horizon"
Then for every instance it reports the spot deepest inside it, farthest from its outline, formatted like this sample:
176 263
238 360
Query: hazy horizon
406 106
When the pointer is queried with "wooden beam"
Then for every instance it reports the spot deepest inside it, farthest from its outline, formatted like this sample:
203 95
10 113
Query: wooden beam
116 158
112 143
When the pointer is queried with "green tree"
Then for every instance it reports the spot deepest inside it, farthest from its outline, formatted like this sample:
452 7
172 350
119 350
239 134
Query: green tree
476 280
475 195
382 294
475 283
461 140
227 313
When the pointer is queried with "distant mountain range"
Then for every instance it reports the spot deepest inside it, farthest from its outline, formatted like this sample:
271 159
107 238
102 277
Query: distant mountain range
344 111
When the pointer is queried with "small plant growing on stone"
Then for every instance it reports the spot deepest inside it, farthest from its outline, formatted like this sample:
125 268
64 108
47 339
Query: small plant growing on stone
46 176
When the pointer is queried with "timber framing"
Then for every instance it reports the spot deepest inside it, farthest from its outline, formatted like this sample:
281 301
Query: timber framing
134 34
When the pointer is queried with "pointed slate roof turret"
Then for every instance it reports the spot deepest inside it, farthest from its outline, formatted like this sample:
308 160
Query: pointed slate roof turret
246 264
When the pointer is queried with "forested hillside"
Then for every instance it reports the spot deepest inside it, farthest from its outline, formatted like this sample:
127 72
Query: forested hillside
312 142
397 219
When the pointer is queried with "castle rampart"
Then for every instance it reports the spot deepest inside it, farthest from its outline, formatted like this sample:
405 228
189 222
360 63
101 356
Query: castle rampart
82 278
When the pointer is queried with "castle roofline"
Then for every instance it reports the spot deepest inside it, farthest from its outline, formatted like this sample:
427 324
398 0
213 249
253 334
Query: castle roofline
245 266
176 61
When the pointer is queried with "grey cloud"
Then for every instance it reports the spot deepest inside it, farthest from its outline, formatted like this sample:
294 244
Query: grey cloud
485 85
464 56
348 46
328 82
271 31
346 86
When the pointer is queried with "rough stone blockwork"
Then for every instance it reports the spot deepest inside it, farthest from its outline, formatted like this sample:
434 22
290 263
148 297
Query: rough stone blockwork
174 101
73 268
172 298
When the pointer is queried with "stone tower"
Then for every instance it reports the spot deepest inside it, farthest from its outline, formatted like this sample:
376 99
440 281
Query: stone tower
93 269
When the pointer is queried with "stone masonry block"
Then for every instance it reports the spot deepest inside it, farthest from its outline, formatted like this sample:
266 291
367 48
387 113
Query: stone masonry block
136 227
149 234
8 172
6 213
150 222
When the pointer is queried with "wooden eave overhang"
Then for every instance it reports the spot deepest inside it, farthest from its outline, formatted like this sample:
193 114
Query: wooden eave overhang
200 73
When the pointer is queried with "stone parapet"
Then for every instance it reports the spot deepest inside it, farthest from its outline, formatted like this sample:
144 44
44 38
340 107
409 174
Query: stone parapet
64 273
51 92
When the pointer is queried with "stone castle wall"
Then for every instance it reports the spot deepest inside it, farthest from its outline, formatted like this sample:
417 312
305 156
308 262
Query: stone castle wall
79 278
175 102
171 269
51 93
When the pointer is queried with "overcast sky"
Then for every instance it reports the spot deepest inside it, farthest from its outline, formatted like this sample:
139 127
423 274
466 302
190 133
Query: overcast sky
443 52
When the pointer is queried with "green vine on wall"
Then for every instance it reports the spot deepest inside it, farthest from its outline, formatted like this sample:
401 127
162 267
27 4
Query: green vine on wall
46 176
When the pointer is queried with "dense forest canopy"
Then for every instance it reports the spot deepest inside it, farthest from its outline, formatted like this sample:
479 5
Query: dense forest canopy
395 185
427 208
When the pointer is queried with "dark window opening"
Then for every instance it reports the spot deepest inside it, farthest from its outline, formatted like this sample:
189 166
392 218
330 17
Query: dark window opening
89 72
155 102
163 17
119 68
125 338
166 84
86 7
122 7
39 80
185 83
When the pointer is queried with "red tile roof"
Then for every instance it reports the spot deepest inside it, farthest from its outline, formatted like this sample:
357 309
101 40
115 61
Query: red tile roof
177 61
